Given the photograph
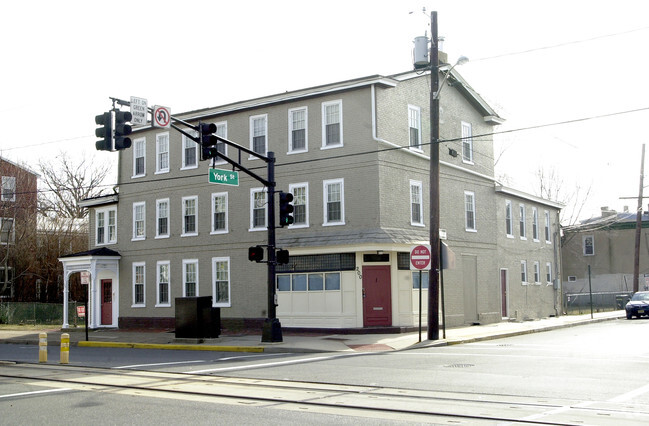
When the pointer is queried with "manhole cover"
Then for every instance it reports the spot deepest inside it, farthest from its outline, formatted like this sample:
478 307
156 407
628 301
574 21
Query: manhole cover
459 365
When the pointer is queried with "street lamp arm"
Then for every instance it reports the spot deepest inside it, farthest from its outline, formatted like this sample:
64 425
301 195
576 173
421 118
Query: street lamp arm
461 60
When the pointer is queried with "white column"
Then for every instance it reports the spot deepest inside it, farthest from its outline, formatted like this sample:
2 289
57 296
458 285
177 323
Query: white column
66 285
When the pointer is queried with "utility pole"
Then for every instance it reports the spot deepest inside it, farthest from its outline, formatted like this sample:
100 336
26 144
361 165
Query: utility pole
638 229
433 286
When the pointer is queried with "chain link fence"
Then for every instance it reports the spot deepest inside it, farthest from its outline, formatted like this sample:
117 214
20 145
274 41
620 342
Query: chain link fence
580 303
37 313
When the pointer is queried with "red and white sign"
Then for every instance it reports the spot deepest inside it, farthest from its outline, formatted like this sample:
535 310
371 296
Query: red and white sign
81 311
420 258
161 117
85 277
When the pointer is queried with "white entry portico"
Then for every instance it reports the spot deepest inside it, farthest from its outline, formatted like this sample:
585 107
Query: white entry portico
103 265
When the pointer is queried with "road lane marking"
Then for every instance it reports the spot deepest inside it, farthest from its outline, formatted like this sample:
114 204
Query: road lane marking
13 395
630 395
158 364
270 364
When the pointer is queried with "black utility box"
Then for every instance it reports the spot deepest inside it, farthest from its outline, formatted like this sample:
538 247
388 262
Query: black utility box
196 318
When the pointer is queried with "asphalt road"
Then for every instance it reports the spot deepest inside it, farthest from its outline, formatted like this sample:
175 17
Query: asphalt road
591 374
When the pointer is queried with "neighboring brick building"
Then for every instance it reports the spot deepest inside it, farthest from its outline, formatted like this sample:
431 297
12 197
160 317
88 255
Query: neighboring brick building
18 209
355 156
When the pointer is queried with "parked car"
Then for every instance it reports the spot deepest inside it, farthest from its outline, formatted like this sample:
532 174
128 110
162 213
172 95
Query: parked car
638 305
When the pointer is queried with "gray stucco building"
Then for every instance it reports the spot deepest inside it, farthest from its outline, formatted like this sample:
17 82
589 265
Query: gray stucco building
355 156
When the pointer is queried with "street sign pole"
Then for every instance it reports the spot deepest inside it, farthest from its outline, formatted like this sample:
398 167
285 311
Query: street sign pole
420 259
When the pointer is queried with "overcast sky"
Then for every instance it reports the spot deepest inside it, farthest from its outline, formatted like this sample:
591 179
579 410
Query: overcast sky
536 63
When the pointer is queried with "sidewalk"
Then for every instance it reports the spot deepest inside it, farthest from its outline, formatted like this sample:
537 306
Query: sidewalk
300 342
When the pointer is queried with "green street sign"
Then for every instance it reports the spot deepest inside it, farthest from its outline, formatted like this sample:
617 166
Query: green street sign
224 177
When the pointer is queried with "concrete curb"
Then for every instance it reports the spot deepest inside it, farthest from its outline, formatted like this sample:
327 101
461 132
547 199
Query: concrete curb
171 346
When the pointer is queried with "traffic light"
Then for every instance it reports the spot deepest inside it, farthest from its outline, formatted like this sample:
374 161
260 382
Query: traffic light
105 132
285 209
256 253
282 257
208 140
122 130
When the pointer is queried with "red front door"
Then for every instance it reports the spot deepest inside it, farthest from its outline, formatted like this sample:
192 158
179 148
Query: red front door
377 302
106 302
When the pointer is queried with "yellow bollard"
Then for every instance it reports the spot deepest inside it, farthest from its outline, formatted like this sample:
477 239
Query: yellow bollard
42 347
65 348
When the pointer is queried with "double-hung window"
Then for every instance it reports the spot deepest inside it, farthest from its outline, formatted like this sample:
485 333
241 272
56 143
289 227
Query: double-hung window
332 124
547 226
469 211
258 209
259 134
163 285
524 272
221 147
139 279
414 126
106 226
548 273
8 188
300 193
220 213
190 151
162 218
334 202
509 219
535 224
139 157
139 215
190 216
522 223
416 204
467 142
7 223
162 153
589 245
221 282
537 273
297 130
190 278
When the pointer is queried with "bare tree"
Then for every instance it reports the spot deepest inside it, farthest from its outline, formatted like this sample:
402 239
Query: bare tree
69 182
553 187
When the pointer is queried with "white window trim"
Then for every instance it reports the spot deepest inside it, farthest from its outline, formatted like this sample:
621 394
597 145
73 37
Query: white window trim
133 236
12 186
546 214
214 302
11 238
324 124
305 185
524 269
134 266
184 272
290 130
222 125
157 218
252 134
135 143
583 244
418 148
254 191
548 269
537 273
522 221
182 217
469 138
106 233
509 221
157 284
227 208
325 200
419 185
535 224
185 140
475 219
158 169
